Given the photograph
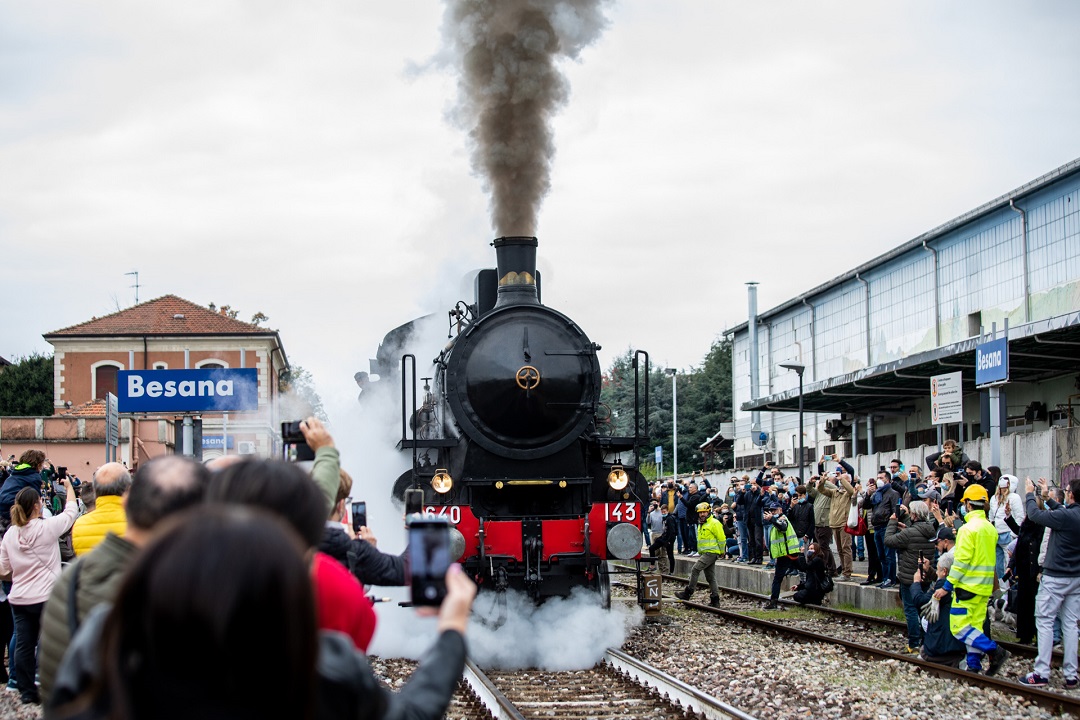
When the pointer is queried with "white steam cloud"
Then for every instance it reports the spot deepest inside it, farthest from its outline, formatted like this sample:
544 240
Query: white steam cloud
562 634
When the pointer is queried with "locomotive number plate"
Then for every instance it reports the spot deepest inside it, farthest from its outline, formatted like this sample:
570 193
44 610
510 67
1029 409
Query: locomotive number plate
450 513
621 512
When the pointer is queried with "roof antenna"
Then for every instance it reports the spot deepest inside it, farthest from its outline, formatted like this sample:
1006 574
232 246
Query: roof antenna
136 285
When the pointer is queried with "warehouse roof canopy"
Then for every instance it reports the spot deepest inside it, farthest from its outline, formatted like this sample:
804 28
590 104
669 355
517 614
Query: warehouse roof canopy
1037 351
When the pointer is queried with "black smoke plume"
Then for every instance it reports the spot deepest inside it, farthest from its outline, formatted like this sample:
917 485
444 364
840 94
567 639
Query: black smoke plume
510 88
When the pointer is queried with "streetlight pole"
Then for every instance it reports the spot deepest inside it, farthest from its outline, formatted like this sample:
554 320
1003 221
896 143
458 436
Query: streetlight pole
674 427
799 368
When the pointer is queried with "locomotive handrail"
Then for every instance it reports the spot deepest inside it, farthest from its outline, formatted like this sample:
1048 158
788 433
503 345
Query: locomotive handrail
404 418
637 407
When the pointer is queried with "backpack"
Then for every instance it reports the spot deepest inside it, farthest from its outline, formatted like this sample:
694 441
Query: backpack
828 585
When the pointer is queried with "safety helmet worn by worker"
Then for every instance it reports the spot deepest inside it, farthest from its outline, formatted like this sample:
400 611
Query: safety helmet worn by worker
704 507
975 493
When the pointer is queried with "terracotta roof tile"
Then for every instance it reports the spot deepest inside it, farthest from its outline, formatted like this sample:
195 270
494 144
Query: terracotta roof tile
168 315
94 409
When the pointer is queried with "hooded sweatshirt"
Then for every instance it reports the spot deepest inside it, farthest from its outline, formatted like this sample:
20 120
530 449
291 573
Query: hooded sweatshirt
31 553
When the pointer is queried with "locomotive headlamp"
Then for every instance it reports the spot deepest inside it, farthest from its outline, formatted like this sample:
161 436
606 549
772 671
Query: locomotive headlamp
442 482
617 478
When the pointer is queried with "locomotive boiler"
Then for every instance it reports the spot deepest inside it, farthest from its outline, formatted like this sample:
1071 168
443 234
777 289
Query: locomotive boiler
507 444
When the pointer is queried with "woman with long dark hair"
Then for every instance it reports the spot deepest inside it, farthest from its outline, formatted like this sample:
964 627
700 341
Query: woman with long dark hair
30 554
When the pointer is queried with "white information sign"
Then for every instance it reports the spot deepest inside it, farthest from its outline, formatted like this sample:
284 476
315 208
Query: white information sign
947 398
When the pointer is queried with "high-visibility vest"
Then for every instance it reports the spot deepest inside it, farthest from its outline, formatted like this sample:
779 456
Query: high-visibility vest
782 544
711 537
974 556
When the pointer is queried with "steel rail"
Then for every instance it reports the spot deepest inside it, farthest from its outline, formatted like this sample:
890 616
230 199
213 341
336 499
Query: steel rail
1019 649
645 675
675 689
493 699
1054 701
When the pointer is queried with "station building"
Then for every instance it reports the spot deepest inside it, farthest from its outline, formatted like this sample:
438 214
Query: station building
870 340
167 333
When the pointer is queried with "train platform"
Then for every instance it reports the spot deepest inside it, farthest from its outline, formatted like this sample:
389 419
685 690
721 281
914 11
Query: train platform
756 578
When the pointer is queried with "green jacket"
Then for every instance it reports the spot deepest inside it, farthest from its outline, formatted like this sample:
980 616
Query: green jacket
711 537
782 544
324 471
100 573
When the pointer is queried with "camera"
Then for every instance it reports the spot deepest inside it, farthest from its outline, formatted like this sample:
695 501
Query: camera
428 560
359 515
414 502
291 435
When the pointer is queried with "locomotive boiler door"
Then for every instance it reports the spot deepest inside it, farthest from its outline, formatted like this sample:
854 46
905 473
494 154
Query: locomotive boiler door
525 382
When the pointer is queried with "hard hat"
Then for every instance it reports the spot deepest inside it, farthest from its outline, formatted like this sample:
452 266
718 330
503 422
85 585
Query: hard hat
704 507
976 493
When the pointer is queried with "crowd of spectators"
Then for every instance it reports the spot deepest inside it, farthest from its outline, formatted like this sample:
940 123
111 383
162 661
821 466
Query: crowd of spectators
960 543
243 554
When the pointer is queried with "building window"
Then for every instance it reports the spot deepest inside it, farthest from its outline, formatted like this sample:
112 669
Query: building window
161 366
104 378
211 365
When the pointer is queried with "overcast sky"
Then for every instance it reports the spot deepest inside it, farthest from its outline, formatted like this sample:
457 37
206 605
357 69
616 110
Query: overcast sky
295 159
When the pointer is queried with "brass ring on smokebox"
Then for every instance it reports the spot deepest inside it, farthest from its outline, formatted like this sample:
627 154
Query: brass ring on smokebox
527 377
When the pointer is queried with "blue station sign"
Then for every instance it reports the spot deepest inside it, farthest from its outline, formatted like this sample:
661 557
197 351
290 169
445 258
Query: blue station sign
214 442
183 391
992 362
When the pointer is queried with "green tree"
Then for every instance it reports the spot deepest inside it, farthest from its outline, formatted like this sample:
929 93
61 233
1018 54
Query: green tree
299 397
704 401
26 387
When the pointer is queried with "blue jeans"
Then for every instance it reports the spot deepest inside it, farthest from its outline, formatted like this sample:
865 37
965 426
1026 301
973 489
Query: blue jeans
886 555
860 546
911 614
743 540
999 552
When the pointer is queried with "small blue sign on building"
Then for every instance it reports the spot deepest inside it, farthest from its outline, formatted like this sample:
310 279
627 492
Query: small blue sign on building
659 454
213 442
185 391
992 362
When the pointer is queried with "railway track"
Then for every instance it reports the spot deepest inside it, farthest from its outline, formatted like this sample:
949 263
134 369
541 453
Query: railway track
619 687
1017 649
1054 701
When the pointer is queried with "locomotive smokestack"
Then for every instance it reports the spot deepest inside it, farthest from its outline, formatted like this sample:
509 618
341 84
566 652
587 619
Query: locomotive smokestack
516 259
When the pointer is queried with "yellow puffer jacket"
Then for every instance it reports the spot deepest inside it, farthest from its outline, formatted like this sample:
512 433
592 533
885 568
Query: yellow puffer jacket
91 529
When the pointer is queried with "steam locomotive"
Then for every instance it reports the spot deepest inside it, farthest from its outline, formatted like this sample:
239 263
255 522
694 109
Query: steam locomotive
510 444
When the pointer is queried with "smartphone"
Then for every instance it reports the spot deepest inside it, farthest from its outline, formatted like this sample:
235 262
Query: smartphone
359 515
61 472
428 560
414 501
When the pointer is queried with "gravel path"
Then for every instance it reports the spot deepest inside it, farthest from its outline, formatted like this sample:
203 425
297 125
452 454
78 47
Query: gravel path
12 709
780 679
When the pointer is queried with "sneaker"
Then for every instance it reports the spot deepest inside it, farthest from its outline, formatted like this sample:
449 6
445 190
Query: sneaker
770 566
846 578
1071 683
1034 680
911 650
997 659
12 685
887 584
862 559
